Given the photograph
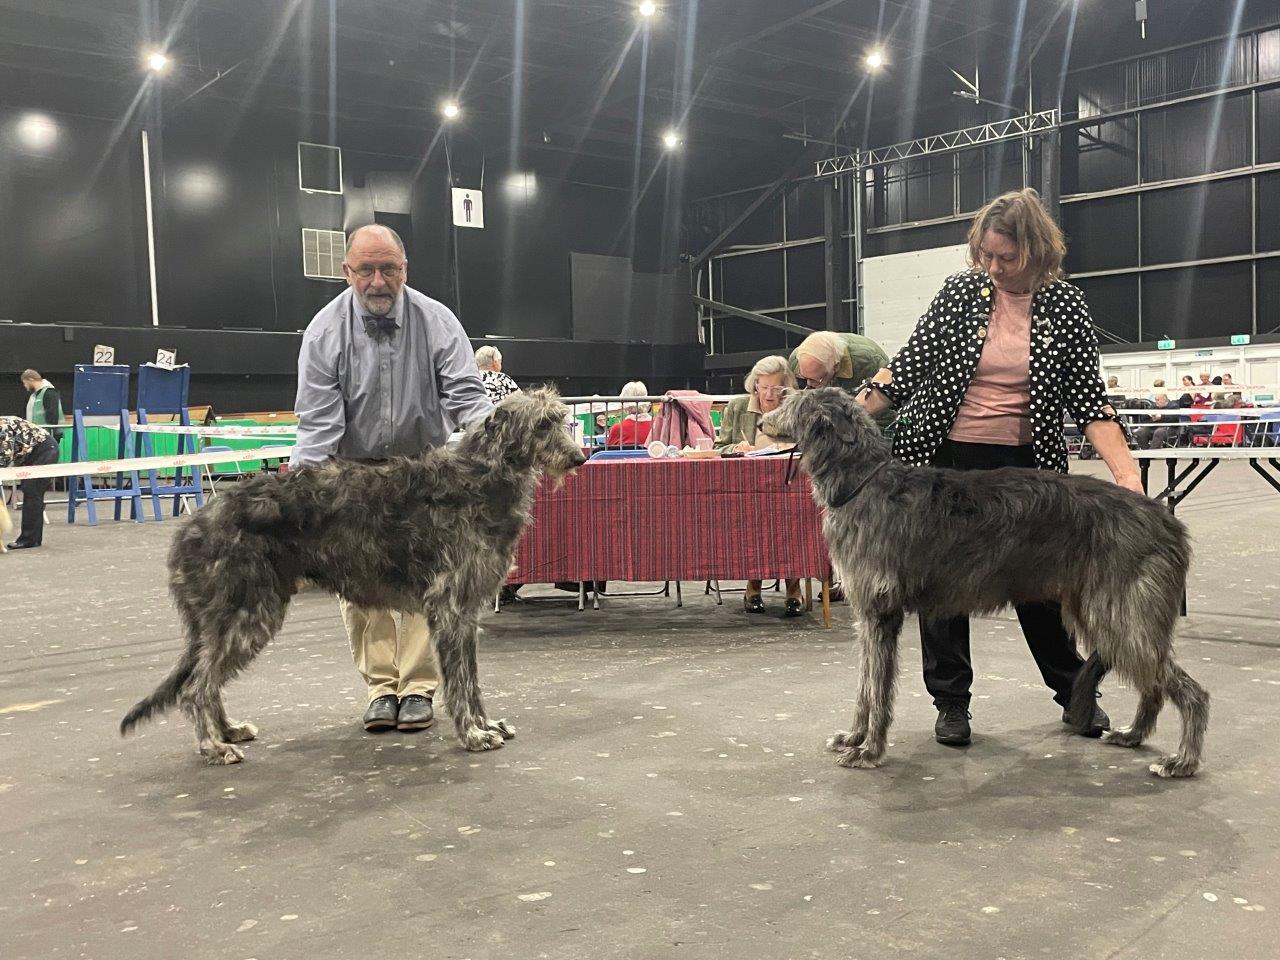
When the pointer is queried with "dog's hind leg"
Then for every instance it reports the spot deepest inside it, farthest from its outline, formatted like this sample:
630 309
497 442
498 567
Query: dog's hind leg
216 734
1192 701
454 636
879 633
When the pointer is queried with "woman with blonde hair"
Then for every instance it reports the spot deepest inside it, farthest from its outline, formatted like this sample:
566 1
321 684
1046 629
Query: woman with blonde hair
1005 350
633 429
740 432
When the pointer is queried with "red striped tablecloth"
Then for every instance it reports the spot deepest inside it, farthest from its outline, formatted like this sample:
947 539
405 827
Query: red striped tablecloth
674 520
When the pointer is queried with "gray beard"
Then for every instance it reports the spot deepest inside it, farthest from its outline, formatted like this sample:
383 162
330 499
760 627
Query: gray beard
376 308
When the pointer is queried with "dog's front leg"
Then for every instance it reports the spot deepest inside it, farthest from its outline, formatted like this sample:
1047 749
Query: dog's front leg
455 642
879 633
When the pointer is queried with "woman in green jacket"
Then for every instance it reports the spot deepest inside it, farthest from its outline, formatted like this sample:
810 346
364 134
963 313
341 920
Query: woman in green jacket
740 432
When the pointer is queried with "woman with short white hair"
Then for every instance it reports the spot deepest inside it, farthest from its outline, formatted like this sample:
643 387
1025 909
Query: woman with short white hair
496 383
633 429
740 432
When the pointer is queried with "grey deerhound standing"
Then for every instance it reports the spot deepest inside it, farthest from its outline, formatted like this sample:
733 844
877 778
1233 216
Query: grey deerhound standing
433 534
947 542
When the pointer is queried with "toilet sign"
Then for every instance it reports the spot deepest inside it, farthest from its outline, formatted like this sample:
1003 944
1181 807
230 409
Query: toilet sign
468 207
166 358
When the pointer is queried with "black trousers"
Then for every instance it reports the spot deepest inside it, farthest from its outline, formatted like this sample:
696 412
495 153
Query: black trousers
948 668
33 492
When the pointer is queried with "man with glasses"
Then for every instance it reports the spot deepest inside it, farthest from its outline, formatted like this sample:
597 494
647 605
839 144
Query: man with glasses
845 360
384 371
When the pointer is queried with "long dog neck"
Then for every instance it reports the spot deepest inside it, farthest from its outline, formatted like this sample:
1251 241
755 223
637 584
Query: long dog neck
845 469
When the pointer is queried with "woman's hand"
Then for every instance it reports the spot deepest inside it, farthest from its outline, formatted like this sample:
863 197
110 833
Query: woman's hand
1130 481
743 447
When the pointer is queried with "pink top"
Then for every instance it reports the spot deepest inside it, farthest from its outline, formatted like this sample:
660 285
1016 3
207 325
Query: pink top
997 405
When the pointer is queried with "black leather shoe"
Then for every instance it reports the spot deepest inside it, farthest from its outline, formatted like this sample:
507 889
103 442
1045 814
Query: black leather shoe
416 713
21 545
794 607
952 727
753 604
1100 722
381 714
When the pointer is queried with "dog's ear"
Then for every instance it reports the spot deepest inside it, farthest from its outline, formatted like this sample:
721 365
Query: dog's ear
832 419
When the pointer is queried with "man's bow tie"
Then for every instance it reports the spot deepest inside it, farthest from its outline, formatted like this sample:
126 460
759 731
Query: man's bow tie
380 326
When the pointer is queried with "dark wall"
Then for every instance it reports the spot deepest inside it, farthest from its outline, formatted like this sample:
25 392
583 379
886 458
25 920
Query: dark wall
228 217
72 231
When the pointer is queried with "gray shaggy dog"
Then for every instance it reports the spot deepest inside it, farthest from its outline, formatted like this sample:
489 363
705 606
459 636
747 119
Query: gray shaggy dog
433 534
948 542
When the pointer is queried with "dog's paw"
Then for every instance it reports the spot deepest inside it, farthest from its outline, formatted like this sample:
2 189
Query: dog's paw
501 726
844 739
1170 767
1123 737
477 739
241 732
218 754
857 757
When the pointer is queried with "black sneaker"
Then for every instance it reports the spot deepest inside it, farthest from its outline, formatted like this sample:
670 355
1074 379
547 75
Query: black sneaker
952 727
1100 722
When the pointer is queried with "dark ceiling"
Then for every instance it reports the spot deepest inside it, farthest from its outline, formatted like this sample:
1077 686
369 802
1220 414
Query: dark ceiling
743 80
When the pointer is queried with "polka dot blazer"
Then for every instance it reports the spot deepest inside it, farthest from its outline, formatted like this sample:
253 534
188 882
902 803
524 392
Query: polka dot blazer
932 371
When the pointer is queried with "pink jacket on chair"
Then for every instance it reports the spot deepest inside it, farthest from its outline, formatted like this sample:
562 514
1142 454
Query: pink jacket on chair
685 418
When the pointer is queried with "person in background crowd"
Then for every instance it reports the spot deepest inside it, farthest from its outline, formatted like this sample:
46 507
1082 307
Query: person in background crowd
1188 384
44 406
1113 390
633 429
496 383
1162 429
1203 396
384 371
766 385
24 444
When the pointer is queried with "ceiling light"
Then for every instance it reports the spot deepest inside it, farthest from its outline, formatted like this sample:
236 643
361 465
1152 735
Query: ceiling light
157 61
450 110
874 59
647 8
671 139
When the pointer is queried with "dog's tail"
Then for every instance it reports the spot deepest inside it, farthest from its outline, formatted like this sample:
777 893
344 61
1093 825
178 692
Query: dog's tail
1084 693
164 695
5 523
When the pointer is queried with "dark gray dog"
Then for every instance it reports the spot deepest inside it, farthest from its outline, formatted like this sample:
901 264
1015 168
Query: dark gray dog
433 534
947 542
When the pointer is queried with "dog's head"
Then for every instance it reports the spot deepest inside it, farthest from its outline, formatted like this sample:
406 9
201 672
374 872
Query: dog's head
825 421
532 426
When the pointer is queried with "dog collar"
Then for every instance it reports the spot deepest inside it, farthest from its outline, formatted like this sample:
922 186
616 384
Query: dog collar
847 498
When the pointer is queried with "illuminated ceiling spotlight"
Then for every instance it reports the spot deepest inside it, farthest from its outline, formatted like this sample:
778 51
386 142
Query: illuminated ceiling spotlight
671 139
450 109
157 62
874 60
647 9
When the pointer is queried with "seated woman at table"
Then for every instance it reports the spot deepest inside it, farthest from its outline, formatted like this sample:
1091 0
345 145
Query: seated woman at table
633 429
740 432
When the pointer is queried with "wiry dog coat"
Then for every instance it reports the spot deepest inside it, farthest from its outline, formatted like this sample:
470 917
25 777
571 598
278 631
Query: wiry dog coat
433 534
947 542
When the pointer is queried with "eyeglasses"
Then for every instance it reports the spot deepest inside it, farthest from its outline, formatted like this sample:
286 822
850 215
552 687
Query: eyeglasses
771 391
364 273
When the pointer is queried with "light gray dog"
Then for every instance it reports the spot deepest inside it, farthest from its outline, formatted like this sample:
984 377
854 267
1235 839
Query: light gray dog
949 542
433 535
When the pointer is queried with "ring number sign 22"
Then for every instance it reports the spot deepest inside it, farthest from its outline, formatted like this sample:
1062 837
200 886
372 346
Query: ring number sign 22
103 355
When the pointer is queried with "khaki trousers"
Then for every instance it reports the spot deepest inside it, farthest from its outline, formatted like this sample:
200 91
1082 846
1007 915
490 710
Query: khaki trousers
397 662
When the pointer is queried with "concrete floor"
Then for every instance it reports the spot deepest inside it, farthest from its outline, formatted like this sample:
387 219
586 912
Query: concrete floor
667 795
